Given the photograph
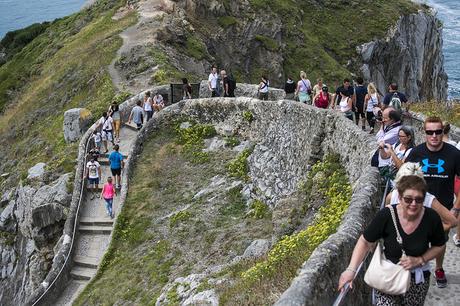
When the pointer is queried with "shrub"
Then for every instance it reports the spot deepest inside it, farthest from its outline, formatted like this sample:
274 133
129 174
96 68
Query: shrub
192 139
259 210
179 217
248 116
239 167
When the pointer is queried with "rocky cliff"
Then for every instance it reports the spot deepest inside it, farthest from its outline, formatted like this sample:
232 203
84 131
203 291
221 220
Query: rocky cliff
31 221
410 55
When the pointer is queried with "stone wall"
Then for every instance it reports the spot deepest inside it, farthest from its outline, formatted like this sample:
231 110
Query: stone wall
285 134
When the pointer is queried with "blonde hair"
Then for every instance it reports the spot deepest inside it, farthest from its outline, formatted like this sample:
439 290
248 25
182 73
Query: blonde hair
371 88
303 75
408 169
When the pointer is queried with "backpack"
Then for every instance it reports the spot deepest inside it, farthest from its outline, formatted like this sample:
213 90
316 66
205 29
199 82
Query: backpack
231 83
396 102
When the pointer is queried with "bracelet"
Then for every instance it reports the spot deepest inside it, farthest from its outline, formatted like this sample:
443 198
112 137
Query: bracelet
456 209
350 269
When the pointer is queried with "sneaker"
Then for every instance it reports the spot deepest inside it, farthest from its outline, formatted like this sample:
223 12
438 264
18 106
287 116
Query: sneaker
92 196
456 241
441 280
371 131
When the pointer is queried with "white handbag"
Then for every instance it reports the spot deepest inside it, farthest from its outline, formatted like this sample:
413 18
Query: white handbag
384 275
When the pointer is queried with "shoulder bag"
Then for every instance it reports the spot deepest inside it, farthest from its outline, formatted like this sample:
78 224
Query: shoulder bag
384 275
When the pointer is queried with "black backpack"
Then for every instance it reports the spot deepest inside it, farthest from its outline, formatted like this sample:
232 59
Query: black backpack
231 83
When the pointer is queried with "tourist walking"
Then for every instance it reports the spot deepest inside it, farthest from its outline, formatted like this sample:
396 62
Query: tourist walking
422 240
186 89
323 98
93 175
317 88
346 105
388 134
440 163
289 89
114 112
148 106
359 95
371 103
407 169
107 130
108 193
344 90
303 89
212 81
137 115
394 98
263 88
158 102
116 165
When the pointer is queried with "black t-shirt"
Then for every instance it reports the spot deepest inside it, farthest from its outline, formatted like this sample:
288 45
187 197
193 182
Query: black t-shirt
289 87
439 170
361 92
389 96
416 244
346 91
225 83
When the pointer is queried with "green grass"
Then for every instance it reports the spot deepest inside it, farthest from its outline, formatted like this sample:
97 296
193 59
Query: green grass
149 250
62 68
449 113
227 21
269 43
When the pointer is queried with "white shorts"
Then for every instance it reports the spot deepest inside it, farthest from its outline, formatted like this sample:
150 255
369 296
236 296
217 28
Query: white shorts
107 135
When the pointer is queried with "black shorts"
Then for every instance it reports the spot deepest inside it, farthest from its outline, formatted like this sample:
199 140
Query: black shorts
116 171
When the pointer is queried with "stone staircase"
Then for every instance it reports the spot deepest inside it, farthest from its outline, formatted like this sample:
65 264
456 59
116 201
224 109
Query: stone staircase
94 228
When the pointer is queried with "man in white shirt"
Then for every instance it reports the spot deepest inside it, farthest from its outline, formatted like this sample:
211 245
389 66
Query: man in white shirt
93 174
158 102
212 81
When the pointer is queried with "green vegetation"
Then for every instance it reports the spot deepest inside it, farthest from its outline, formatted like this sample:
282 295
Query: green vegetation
280 266
146 252
166 71
447 112
239 167
267 42
7 238
61 68
179 217
195 47
14 41
227 21
232 141
259 210
248 116
192 139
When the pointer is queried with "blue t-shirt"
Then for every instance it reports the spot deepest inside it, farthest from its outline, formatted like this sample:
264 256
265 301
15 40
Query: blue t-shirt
115 159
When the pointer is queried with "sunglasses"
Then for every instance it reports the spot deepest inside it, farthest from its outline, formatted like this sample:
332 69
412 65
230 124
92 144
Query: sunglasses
409 200
435 132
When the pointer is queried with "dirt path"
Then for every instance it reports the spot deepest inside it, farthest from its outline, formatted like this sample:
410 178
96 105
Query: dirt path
140 34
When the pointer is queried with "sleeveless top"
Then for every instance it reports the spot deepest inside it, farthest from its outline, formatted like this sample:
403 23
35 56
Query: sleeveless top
108 192
344 105
372 102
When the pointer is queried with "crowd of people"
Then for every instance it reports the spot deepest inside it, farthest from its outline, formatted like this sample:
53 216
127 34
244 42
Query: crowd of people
425 200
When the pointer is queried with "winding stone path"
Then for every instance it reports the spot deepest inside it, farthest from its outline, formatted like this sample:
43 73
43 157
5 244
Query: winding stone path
94 229
449 296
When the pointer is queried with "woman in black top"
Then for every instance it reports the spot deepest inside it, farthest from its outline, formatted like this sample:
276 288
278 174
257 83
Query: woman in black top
419 227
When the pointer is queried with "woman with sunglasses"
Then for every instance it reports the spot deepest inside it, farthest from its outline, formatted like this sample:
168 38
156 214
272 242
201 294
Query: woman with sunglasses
422 235
448 220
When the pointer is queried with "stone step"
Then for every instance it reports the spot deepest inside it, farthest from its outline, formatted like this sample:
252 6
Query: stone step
85 221
91 229
82 273
131 126
98 189
86 262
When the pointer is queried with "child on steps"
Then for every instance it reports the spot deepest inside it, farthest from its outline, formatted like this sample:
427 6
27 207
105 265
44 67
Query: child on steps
108 192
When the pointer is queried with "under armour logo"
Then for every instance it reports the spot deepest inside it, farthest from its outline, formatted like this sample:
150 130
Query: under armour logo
438 166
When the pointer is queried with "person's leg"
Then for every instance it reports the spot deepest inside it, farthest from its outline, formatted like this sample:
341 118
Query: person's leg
363 120
117 128
441 281
108 206
417 293
357 118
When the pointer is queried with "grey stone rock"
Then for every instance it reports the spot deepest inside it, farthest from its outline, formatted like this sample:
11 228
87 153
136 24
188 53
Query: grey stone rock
76 122
208 297
257 248
185 125
36 171
411 56
214 144
246 144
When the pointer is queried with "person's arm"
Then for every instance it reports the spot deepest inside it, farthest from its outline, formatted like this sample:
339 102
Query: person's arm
102 192
350 103
383 147
366 100
410 262
226 88
388 199
456 209
114 190
297 89
209 83
99 171
359 252
316 96
130 117
448 220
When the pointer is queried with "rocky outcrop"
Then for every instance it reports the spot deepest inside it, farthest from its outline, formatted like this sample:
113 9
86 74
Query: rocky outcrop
411 55
245 90
76 122
31 220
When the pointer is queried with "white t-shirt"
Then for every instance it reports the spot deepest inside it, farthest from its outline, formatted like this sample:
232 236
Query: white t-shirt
148 105
107 124
158 99
213 79
93 169
97 137
429 198
264 86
